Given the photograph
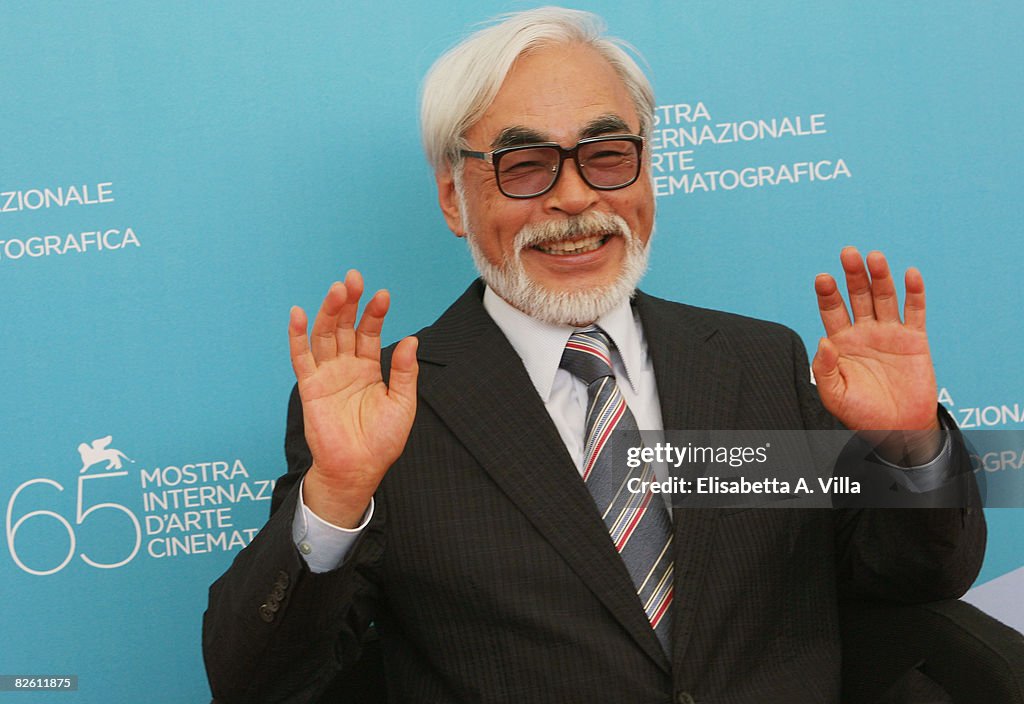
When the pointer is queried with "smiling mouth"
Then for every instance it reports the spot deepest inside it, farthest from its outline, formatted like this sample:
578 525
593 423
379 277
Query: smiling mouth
578 246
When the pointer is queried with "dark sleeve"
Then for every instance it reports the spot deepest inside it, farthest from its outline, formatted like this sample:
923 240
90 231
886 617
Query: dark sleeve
273 631
909 555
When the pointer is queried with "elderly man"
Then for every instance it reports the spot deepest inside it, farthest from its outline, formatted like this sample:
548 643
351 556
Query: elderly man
461 501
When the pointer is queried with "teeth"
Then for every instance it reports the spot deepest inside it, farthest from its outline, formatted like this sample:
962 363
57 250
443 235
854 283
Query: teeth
587 244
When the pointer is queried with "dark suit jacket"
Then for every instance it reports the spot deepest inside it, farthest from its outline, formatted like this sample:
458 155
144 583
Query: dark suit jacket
492 578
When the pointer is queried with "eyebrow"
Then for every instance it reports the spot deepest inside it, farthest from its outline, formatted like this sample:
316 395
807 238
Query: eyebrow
605 124
517 135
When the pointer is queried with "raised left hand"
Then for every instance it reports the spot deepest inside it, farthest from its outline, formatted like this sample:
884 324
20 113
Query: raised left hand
876 372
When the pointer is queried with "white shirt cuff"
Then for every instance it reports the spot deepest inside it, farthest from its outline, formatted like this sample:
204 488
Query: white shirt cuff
926 477
323 545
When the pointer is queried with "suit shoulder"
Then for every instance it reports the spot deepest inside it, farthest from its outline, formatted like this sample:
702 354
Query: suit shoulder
712 321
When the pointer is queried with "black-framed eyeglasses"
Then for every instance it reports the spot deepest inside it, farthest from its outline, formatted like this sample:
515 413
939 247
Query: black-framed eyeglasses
529 170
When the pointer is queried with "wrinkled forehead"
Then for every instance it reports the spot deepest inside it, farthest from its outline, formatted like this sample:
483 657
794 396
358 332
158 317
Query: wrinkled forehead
559 93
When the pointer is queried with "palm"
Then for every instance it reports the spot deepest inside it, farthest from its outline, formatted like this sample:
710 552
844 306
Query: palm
888 381
352 425
875 373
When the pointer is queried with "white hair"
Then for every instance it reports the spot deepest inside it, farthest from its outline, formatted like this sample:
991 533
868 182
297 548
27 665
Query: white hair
463 83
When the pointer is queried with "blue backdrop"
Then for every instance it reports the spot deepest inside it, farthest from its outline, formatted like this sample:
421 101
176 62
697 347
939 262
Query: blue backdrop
174 176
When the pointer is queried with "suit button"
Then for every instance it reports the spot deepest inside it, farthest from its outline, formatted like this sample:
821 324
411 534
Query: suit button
684 698
278 592
282 579
266 613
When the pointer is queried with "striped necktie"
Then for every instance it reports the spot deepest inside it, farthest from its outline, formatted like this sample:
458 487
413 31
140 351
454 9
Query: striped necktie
639 523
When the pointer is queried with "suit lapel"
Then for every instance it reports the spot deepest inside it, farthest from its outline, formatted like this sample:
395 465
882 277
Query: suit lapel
480 389
698 378
698 386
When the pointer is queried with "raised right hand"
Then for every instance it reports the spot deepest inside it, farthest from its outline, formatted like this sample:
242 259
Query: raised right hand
356 425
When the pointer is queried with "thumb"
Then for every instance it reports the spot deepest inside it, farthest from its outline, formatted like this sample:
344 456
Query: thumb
404 370
826 371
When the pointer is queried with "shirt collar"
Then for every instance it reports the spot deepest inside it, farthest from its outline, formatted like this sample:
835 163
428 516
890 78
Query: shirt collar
540 344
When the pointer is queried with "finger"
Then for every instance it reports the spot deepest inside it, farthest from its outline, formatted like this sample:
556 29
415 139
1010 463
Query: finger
344 331
370 325
914 306
404 370
322 339
883 290
831 306
831 385
303 363
857 284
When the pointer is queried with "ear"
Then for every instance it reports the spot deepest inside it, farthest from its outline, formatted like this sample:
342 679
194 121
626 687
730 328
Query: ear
449 201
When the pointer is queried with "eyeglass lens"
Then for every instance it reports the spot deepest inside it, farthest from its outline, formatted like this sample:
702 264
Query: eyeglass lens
605 164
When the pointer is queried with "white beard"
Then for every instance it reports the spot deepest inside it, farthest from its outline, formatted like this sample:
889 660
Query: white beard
577 308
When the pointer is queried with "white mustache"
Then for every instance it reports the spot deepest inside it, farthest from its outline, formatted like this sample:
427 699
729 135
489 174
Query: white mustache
574 227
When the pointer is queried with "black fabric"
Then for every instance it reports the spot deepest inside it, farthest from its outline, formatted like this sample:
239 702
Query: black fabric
965 652
915 687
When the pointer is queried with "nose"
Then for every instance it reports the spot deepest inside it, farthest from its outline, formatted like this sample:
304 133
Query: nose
570 194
